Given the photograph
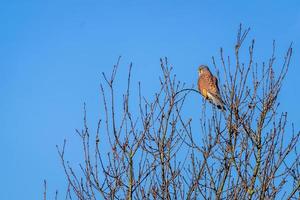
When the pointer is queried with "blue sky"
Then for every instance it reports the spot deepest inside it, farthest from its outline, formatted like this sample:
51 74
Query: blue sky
53 53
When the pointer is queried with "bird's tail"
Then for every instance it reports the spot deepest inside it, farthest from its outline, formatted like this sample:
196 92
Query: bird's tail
217 100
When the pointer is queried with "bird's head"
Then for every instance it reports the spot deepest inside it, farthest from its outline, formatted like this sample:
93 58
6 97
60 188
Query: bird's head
202 68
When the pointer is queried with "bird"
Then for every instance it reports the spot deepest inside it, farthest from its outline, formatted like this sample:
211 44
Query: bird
208 87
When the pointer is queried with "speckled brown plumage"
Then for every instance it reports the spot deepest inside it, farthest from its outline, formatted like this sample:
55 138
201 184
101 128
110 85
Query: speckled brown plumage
208 87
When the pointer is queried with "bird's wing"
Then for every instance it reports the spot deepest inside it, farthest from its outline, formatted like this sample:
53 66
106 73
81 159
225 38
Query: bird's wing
216 84
216 100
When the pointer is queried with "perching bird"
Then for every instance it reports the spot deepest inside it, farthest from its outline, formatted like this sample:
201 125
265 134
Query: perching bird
208 87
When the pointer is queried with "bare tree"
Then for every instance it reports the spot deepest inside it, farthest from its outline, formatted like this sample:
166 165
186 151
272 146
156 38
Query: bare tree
155 153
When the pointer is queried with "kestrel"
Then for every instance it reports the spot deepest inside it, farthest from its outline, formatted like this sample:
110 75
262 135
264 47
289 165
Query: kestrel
208 87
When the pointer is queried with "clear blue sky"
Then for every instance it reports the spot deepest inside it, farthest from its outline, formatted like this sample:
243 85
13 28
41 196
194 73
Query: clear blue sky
52 54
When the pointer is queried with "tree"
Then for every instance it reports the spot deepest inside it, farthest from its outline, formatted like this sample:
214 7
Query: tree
155 153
